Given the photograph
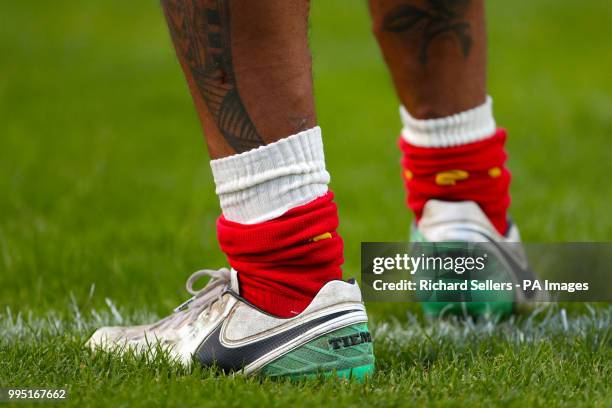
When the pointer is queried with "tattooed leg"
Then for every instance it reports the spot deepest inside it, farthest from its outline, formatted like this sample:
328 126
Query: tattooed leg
248 67
436 52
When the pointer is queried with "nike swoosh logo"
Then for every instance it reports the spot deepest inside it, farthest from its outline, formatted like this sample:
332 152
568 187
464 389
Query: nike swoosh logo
212 351
521 272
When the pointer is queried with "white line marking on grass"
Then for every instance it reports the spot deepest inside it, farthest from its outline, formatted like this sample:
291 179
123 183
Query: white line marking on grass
72 321
564 319
114 310
540 325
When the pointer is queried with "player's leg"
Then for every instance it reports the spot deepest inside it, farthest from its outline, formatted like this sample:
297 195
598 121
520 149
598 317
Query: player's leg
248 67
282 309
453 154
249 70
436 53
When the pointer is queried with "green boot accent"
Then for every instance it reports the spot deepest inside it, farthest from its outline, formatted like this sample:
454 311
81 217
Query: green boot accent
345 353
482 303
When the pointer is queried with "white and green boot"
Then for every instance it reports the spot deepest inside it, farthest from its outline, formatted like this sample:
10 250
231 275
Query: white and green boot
452 223
218 327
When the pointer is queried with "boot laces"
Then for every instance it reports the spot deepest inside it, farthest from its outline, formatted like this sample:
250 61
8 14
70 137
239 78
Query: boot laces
201 299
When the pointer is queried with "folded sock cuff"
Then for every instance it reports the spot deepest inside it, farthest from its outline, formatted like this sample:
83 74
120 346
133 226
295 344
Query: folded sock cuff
265 182
465 127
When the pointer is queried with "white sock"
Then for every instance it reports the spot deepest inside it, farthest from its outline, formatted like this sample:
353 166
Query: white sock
265 182
462 128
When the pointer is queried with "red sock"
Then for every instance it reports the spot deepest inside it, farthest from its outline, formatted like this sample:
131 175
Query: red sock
282 263
470 172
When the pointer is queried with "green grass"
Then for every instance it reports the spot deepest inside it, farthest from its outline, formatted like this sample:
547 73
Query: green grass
106 193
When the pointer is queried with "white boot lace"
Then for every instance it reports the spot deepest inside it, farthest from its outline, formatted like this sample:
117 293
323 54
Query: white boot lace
201 300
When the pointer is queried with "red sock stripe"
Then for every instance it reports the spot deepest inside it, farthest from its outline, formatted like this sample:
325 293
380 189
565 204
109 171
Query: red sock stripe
487 181
280 267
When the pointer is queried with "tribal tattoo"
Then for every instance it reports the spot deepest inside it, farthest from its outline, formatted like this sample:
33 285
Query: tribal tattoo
200 30
437 18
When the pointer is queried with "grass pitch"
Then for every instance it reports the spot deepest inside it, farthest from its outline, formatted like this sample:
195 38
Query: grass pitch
107 204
